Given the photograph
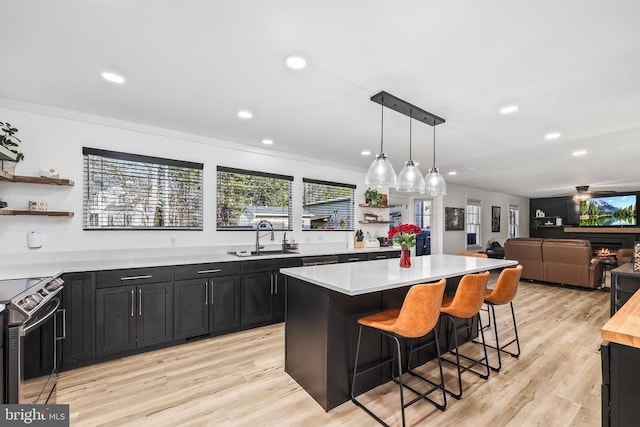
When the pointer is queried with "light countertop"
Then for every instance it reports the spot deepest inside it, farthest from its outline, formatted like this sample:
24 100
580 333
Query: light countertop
360 278
624 326
71 262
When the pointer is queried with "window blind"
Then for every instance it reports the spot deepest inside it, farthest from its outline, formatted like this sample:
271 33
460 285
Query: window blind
245 197
131 191
328 205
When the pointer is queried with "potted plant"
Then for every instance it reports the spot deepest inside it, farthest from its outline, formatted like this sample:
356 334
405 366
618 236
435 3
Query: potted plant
372 197
10 141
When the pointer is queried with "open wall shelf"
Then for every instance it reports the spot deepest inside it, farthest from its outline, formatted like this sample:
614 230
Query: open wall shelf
40 213
5 176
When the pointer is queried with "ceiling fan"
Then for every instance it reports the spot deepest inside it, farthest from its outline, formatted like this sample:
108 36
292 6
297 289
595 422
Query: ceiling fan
583 193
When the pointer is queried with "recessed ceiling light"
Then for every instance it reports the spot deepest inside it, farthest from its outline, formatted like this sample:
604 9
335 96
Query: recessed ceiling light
365 152
580 153
295 62
267 141
244 114
554 135
509 109
453 173
112 77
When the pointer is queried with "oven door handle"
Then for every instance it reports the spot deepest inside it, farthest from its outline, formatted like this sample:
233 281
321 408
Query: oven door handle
25 329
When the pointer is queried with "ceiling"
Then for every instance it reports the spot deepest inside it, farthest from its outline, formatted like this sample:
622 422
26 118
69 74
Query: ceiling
573 67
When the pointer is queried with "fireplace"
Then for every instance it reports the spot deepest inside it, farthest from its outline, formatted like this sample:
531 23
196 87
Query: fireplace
605 250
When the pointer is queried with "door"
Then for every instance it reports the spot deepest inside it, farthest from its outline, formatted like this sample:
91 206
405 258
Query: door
256 298
155 314
225 303
191 317
115 319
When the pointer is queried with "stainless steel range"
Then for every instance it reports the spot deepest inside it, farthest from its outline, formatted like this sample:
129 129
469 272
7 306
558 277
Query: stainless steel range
36 324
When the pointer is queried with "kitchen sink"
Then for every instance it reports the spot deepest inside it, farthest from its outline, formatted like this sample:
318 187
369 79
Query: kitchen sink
267 252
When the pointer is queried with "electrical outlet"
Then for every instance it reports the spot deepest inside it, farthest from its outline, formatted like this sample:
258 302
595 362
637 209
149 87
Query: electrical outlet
173 242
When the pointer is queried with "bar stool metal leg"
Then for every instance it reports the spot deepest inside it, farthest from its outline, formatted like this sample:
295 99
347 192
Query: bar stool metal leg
502 348
468 368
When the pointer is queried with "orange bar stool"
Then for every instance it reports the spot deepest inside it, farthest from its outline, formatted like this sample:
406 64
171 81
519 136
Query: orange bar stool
475 254
466 304
503 293
417 317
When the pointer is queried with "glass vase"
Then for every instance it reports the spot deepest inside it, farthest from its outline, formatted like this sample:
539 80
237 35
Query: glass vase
405 257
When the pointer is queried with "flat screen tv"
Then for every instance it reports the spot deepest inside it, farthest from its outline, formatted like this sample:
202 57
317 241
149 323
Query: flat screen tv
611 211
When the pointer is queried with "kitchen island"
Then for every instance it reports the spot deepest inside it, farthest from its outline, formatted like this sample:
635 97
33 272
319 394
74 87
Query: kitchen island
324 302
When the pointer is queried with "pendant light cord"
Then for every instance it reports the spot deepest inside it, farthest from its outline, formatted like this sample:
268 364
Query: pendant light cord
382 125
410 133
434 145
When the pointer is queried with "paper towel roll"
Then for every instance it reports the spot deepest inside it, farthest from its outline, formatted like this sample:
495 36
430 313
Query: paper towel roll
34 240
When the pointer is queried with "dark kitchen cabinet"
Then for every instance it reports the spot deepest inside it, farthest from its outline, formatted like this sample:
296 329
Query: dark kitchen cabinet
191 316
263 290
133 316
78 305
383 255
115 320
208 301
257 290
2 374
352 257
620 387
224 303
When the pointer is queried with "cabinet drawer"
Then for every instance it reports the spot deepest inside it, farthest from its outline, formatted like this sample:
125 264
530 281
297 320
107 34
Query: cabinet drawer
194 271
133 276
272 264
352 257
378 255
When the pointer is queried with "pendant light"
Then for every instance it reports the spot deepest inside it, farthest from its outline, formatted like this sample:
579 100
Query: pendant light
381 173
410 178
435 185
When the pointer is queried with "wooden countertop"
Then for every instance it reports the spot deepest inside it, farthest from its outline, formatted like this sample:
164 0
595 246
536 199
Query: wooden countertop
624 326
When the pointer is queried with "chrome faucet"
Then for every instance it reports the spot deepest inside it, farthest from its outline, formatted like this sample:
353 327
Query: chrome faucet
266 225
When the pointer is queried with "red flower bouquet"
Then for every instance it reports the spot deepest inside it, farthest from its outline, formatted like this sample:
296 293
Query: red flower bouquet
404 234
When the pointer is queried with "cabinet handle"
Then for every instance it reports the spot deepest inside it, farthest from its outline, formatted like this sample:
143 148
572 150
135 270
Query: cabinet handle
206 293
381 256
132 298
64 324
217 270
139 302
271 282
147 276
353 259
275 279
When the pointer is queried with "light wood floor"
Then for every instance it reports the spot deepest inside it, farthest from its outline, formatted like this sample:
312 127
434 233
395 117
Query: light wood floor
239 380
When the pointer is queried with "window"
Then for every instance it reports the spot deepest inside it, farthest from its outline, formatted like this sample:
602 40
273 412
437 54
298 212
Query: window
514 219
423 214
130 191
244 198
473 223
327 205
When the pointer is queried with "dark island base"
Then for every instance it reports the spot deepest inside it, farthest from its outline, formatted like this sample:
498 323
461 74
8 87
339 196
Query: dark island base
321 334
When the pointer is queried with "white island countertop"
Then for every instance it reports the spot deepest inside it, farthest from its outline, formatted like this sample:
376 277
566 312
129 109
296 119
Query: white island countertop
359 278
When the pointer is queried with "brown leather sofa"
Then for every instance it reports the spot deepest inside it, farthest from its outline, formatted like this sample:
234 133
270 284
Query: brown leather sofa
564 261
528 252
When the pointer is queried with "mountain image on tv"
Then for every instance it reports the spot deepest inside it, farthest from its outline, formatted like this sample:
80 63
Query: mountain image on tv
608 211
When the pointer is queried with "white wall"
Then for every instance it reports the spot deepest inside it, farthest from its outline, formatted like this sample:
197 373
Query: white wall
457 196
54 138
